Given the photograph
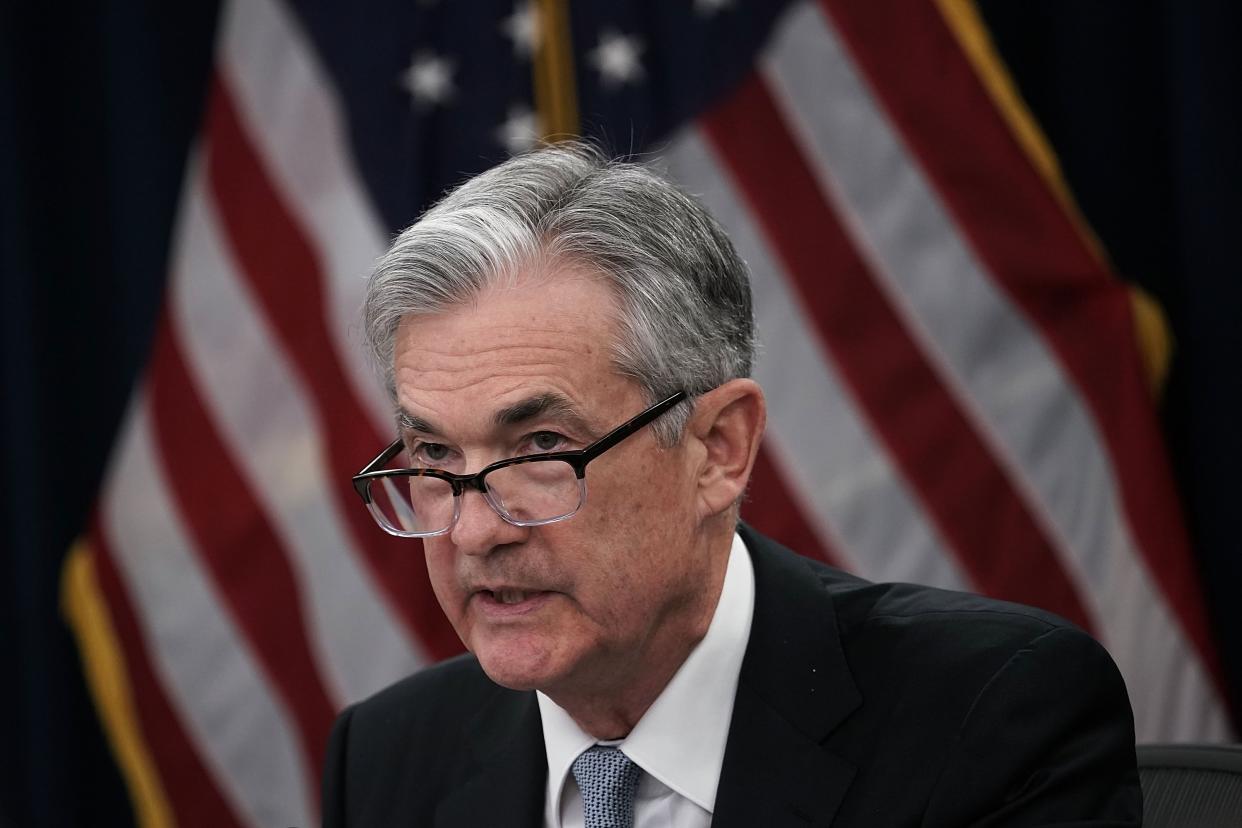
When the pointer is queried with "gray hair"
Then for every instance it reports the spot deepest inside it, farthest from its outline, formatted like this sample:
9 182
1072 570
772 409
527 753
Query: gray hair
684 296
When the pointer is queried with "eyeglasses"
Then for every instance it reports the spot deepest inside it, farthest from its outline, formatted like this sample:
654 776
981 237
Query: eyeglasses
531 490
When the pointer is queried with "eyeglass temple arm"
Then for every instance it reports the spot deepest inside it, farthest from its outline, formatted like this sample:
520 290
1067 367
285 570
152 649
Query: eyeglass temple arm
384 456
600 446
626 429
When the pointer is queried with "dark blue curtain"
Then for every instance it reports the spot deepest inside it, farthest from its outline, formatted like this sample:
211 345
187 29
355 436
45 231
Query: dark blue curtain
98 104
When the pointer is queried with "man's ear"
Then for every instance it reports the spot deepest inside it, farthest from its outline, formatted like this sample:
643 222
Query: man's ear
728 421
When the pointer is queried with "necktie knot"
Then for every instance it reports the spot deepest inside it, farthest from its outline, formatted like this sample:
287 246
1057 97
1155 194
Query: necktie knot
607 779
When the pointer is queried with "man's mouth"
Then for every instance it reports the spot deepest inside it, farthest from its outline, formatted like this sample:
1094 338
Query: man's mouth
505 601
510 596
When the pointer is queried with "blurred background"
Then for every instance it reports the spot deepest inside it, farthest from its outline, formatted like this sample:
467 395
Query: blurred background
992 247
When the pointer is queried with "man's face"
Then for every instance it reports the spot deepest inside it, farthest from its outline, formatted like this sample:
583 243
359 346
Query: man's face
576 605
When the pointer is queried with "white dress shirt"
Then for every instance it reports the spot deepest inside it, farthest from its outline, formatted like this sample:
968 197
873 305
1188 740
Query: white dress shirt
679 742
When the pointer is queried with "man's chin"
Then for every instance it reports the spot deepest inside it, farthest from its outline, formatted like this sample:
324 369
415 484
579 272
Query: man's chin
516 678
516 667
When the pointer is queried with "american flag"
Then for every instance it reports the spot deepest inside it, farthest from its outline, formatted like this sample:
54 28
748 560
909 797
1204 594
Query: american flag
958 391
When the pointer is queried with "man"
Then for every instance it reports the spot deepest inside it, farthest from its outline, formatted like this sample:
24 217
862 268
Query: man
637 656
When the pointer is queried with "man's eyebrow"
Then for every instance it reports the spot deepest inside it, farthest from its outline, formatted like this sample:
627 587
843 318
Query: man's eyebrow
409 422
540 405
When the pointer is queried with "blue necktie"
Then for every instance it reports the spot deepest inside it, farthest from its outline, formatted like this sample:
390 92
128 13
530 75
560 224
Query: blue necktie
607 779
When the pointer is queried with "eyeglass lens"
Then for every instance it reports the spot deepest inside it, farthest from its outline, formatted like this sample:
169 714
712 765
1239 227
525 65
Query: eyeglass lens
524 493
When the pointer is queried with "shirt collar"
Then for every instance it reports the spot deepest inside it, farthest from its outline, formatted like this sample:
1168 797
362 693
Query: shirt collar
680 740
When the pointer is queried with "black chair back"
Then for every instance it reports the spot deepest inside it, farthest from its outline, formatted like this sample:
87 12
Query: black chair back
1191 786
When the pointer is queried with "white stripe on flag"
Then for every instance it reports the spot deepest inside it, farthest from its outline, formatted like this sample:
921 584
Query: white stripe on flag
995 364
278 443
853 494
205 664
286 99
1173 699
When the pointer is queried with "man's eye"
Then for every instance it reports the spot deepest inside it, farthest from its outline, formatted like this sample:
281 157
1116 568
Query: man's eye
431 453
546 441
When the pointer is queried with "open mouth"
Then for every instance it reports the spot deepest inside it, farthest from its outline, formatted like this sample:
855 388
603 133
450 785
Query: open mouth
508 601
510 596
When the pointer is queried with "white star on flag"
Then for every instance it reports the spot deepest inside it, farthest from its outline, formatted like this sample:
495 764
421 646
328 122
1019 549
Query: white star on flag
522 27
616 58
708 8
520 131
429 79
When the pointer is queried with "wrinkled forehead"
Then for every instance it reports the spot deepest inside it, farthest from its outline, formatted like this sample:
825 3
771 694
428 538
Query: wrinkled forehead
559 298
549 339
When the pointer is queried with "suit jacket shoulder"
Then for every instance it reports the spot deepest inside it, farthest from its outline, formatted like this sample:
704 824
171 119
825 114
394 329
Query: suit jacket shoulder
444 746
943 708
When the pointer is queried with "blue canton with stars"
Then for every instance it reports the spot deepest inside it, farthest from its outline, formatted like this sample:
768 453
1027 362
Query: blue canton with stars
438 90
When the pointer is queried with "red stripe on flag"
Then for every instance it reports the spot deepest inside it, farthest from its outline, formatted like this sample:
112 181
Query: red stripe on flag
1033 250
190 788
240 550
279 263
770 507
964 491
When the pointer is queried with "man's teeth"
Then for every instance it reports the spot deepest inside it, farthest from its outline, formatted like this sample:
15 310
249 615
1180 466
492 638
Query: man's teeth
510 596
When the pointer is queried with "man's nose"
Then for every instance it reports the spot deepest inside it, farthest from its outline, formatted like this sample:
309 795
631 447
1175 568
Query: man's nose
479 529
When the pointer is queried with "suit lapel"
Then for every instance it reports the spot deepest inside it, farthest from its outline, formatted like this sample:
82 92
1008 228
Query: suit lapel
794 689
510 768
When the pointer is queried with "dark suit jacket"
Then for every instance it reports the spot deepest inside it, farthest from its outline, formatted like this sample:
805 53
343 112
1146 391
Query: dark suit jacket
859 704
